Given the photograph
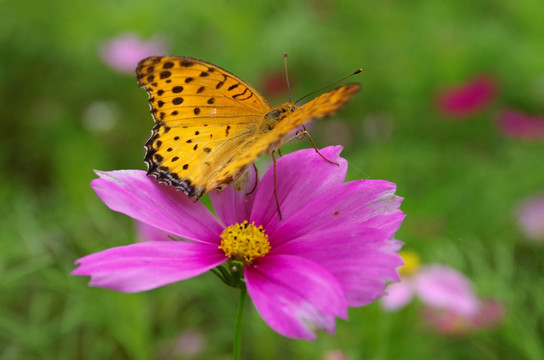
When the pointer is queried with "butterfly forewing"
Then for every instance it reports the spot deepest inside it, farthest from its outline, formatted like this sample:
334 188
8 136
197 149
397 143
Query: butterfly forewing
203 113
324 105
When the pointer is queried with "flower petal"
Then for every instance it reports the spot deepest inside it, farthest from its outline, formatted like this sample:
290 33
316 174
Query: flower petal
147 232
233 205
296 182
520 125
148 265
362 260
368 203
530 215
137 195
468 98
397 296
444 287
123 52
295 296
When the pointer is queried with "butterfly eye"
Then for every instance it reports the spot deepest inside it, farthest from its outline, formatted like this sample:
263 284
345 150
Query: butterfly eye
293 108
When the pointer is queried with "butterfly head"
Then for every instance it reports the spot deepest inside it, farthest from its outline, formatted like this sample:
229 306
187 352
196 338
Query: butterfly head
277 114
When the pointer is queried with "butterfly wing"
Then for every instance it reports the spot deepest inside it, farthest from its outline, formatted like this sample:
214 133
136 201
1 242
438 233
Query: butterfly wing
324 105
203 114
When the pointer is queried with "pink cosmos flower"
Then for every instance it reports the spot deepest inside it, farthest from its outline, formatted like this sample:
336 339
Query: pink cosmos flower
521 126
468 98
489 315
334 247
123 52
335 355
531 218
438 286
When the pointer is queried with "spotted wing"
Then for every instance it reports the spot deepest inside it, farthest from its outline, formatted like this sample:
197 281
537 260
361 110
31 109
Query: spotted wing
203 114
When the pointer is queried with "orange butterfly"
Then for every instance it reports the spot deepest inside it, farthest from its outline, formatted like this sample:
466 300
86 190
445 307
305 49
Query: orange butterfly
211 125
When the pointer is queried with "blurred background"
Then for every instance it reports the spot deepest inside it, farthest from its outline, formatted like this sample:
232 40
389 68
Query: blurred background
451 110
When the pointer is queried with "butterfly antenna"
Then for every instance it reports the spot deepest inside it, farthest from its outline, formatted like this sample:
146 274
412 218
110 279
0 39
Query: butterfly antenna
336 82
286 74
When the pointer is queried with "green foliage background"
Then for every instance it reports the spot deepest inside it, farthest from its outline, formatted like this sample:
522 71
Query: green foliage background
461 180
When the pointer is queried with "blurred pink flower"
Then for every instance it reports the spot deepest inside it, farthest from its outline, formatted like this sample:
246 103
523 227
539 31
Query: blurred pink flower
300 280
275 84
489 315
522 126
123 52
530 216
189 344
378 127
335 355
437 286
468 98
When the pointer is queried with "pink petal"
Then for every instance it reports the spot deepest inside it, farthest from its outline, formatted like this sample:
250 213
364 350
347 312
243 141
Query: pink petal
123 52
150 233
300 176
362 260
148 265
522 126
531 217
443 287
489 315
469 97
233 205
295 296
397 295
133 193
369 203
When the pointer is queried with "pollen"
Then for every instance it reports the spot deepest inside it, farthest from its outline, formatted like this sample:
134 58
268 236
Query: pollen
244 242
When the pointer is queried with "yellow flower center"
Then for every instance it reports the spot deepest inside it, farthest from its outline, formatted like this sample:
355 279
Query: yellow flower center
412 263
244 242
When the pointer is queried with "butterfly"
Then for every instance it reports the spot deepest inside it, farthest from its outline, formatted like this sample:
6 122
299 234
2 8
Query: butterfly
210 125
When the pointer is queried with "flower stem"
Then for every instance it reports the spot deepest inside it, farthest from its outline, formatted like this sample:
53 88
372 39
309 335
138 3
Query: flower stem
238 325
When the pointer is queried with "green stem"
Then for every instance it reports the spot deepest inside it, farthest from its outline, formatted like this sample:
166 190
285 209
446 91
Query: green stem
238 326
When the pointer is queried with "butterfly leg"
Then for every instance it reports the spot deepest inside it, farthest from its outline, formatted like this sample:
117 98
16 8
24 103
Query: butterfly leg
275 187
305 132
256 180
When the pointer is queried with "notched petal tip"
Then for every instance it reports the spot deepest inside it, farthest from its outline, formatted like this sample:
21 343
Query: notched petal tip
295 296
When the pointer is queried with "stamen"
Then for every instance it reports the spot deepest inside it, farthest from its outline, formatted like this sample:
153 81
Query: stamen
244 242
